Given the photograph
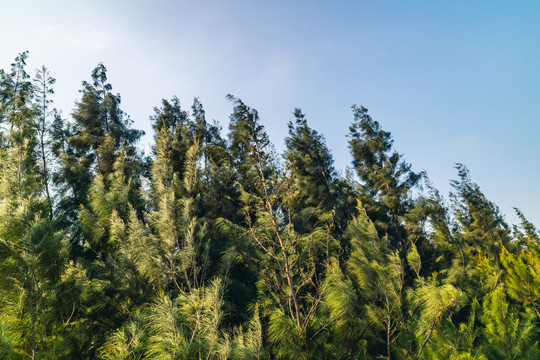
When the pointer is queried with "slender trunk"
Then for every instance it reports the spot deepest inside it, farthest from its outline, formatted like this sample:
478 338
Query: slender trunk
276 231
42 128
105 115
388 328
289 277
283 251
427 338
46 175
19 174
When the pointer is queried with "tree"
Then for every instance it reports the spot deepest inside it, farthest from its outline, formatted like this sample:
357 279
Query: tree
291 266
318 190
373 289
171 121
42 124
32 250
112 288
32 255
181 241
480 221
15 96
99 131
479 235
180 236
216 248
386 179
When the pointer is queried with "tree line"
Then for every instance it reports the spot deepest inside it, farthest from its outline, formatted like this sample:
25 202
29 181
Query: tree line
216 247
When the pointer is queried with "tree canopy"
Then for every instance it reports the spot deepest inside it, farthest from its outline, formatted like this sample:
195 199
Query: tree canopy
217 247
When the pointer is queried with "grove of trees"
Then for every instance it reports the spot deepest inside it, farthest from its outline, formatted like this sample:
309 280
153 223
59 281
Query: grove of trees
216 247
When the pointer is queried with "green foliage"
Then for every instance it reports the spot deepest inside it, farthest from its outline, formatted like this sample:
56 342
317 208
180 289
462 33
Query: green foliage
480 221
42 125
311 166
387 179
379 275
94 140
187 327
480 234
509 334
413 258
349 329
523 277
182 242
449 341
432 303
248 344
217 249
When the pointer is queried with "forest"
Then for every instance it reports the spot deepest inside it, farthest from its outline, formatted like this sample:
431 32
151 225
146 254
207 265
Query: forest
217 247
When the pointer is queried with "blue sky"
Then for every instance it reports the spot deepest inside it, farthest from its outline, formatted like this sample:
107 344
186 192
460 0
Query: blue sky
454 81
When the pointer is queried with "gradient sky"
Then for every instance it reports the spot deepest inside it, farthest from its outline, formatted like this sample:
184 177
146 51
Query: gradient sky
454 81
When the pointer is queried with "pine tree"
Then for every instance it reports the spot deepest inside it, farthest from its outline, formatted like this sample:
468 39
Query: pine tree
374 290
318 190
16 94
386 179
217 249
171 120
99 131
480 221
181 241
478 238
42 124
248 146
112 288
32 253
180 237
429 228
290 266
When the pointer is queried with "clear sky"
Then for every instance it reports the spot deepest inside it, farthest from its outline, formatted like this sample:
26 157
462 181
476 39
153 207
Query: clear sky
454 81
